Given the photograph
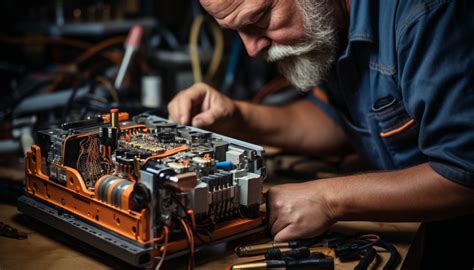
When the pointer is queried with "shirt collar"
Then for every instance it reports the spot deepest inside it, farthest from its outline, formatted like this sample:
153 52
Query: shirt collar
361 24
361 20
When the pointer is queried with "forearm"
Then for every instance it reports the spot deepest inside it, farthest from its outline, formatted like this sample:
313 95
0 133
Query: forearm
413 194
300 126
260 124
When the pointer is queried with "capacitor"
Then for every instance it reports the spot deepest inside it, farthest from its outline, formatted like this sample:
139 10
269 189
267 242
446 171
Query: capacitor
224 165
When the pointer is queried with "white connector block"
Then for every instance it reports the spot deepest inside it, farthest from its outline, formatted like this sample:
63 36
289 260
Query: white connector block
250 189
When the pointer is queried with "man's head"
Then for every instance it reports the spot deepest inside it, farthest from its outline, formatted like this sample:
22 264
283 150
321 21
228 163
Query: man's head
300 35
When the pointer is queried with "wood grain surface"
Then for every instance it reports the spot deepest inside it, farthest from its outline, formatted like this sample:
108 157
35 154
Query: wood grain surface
48 248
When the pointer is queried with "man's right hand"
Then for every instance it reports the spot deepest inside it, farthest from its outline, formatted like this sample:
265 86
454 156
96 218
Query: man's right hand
204 107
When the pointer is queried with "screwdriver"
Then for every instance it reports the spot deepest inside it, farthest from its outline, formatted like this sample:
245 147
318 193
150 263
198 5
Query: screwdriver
309 263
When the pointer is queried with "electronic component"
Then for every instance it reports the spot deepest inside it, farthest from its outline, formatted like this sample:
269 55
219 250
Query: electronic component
138 183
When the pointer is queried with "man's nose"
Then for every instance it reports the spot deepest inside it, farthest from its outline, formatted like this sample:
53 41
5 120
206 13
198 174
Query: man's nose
254 44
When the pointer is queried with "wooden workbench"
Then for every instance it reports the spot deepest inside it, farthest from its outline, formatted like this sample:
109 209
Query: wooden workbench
48 248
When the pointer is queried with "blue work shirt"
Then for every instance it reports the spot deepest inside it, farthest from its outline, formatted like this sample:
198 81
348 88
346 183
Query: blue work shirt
403 86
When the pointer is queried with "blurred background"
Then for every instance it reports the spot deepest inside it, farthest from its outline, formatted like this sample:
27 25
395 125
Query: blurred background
63 61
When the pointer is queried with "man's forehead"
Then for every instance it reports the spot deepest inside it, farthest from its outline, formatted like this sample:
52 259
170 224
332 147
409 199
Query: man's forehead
220 9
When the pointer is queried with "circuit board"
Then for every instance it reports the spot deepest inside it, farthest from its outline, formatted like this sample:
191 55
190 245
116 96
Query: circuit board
145 187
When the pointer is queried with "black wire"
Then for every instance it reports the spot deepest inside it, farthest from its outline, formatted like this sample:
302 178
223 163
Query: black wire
369 244
189 216
367 259
69 102
394 255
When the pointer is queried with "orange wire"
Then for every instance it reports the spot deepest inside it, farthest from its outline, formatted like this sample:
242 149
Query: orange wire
46 40
69 137
161 237
99 47
164 247
57 41
189 235
167 153
193 219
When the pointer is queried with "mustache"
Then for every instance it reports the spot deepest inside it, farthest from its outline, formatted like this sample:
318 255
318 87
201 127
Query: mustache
322 44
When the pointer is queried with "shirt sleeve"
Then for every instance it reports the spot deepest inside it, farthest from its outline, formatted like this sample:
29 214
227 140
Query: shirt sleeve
436 71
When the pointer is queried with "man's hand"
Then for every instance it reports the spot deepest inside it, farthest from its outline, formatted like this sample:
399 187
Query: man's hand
297 211
202 106
413 194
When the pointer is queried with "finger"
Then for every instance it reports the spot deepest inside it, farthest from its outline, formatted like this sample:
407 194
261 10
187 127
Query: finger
190 102
272 207
204 119
173 114
278 225
184 106
206 104
288 233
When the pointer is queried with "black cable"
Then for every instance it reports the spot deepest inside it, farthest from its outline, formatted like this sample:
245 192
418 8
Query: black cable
189 216
368 244
367 259
70 101
394 255
327 238
292 254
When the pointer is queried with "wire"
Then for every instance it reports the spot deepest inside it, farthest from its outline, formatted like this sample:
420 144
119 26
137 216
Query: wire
194 49
394 255
163 248
92 51
109 86
371 238
76 43
190 215
190 237
70 101
367 259
167 153
82 58
218 51
46 40
193 220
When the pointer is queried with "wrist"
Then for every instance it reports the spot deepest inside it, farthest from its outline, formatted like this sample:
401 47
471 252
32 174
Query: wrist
240 109
236 122
333 198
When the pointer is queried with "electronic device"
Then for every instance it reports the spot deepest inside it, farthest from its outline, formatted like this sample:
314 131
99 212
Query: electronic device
143 188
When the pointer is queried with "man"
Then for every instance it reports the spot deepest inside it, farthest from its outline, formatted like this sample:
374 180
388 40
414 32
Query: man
399 78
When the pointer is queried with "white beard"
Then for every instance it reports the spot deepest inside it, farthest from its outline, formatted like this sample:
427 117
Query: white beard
306 64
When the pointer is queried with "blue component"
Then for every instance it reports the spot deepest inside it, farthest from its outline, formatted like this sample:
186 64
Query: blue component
224 165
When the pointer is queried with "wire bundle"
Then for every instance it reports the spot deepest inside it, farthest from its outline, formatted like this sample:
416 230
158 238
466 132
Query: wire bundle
319 252
194 50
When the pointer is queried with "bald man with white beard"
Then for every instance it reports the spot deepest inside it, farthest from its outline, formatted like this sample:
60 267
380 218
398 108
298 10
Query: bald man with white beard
399 78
